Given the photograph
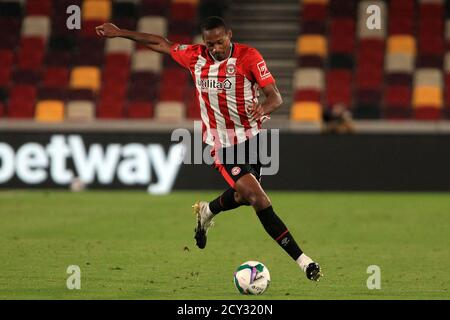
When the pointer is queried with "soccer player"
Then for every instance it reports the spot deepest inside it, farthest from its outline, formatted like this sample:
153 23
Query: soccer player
227 76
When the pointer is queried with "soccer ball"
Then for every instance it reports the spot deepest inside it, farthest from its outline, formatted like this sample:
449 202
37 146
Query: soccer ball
252 277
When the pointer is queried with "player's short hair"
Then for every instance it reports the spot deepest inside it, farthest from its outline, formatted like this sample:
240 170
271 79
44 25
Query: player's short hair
213 23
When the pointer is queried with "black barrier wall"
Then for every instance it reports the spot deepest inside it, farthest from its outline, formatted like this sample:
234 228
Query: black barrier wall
364 162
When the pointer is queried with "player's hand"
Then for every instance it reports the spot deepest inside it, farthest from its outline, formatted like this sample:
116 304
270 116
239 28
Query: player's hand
108 30
257 113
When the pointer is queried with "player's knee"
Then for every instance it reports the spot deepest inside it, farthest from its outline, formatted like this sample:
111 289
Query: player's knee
240 199
258 200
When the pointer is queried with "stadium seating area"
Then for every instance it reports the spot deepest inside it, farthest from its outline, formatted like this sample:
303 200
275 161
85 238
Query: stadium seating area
51 73
400 71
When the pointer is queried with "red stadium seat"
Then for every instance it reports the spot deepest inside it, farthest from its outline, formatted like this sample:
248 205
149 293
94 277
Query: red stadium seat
2 110
307 95
310 61
371 45
429 61
172 94
31 53
125 23
402 6
117 68
342 36
140 110
52 94
313 27
174 77
180 38
398 96
25 77
56 77
117 60
88 29
427 113
80 94
397 113
8 41
193 108
6 57
10 24
147 94
30 60
398 79
30 44
368 96
39 7
154 7
401 25
6 64
447 90
182 11
314 12
9 32
5 75
58 58
116 75
143 86
87 58
113 91
432 44
110 109
173 85
22 101
369 78
181 28
431 11
342 8
339 87
90 52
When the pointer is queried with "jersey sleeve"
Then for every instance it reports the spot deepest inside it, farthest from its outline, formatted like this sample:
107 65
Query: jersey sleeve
182 54
257 68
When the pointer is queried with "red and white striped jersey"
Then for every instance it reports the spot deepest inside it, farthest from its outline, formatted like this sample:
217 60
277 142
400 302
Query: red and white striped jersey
225 90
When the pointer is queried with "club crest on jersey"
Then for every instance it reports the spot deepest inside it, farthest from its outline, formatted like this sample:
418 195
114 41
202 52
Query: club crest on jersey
235 171
231 69
263 71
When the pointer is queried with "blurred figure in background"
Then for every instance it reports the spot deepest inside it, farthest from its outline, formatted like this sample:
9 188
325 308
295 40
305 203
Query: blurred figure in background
337 120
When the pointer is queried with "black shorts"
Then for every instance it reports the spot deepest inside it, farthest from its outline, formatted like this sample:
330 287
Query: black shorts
238 160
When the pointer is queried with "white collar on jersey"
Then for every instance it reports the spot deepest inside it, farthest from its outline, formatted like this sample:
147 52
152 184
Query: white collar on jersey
231 52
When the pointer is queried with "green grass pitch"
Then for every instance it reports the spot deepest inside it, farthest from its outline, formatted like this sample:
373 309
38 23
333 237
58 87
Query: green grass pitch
130 245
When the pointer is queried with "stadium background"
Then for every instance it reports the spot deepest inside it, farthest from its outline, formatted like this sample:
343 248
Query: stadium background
68 96
393 80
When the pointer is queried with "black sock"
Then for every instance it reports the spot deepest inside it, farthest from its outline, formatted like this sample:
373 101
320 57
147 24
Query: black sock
278 231
224 202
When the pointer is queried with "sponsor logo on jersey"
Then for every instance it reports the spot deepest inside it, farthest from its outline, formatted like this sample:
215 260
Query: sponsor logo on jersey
206 84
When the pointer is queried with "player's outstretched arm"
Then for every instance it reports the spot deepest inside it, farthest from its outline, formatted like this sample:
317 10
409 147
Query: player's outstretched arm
151 41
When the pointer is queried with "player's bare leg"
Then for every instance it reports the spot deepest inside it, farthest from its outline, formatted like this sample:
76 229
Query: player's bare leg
250 189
